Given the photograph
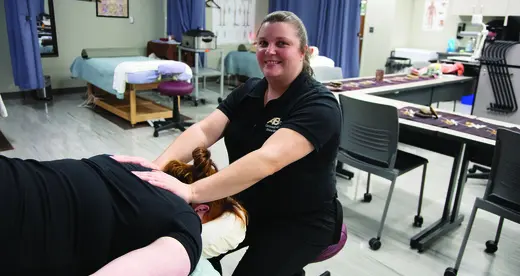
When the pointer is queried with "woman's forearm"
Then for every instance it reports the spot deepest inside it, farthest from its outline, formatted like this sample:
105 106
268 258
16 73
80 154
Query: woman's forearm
181 148
202 134
235 178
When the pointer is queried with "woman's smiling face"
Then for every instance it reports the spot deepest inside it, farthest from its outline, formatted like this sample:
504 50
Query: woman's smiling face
278 50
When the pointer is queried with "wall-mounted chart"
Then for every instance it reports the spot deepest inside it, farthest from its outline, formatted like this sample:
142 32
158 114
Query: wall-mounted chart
234 22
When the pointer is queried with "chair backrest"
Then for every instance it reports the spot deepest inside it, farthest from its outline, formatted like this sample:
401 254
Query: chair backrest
370 131
504 181
324 73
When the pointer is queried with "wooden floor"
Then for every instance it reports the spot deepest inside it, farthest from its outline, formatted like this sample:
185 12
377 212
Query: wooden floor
62 129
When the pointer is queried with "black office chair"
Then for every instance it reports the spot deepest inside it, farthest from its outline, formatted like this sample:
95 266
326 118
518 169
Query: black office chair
326 74
484 172
369 142
502 195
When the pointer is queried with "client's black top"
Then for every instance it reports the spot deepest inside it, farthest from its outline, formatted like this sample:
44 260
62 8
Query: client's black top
308 108
71 217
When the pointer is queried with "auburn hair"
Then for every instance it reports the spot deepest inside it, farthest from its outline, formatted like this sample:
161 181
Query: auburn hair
203 167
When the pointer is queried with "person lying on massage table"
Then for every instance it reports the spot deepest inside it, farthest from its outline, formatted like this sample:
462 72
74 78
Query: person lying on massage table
93 216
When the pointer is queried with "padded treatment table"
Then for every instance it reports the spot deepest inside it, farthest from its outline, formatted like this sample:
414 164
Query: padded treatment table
98 72
242 64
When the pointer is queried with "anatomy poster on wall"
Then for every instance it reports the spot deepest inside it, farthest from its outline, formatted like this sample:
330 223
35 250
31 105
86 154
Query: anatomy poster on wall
234 22
435 12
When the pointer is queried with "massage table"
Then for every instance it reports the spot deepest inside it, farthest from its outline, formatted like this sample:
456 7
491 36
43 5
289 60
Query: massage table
100 68
242 63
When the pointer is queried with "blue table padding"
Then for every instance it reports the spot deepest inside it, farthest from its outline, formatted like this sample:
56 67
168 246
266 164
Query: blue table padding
100 72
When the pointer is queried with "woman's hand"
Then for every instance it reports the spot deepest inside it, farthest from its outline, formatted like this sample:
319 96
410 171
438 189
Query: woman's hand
167 182
136 160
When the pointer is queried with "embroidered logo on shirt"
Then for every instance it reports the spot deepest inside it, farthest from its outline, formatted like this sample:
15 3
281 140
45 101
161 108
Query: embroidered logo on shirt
273 124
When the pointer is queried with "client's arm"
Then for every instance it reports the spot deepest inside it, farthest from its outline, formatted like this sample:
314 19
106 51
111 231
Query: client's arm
166 256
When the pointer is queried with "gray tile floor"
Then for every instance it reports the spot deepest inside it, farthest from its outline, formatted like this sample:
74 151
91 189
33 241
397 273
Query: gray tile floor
63 129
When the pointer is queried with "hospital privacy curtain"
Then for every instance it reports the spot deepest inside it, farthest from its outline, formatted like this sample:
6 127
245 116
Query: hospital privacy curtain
332 26
23 43
184 15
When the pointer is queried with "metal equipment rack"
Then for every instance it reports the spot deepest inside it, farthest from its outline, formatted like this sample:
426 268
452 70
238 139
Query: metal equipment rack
204 72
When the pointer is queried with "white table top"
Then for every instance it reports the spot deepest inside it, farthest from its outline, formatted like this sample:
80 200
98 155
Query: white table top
368 95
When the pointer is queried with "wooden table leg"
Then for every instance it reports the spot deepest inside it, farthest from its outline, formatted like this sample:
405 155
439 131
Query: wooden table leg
133 107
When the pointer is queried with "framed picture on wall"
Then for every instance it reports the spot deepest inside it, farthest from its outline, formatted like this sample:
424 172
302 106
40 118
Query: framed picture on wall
112 8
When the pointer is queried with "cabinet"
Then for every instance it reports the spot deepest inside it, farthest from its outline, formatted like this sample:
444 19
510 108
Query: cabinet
494 7
463 7
513 7
484 7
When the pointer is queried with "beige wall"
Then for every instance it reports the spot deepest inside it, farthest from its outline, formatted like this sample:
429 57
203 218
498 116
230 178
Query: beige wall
431 40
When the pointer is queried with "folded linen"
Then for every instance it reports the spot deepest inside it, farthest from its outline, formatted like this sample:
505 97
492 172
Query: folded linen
180 70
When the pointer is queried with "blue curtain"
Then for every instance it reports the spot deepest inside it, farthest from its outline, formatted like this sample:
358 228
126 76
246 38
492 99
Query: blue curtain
40 7
24 48
332 26
184 15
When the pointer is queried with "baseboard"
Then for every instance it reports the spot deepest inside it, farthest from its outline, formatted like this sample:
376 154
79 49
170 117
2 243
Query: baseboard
55 91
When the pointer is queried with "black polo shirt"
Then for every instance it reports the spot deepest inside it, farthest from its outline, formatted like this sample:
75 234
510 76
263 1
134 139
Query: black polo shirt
308 108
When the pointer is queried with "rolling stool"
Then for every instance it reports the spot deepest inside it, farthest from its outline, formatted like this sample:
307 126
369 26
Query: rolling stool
332 250
173 89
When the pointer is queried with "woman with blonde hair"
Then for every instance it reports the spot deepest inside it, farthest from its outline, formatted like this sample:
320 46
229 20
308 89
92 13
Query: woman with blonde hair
282 134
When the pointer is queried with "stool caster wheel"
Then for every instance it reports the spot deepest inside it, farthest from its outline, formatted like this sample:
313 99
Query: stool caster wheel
374 243
450 271
219 100
491 247
472 170
203 101
367 197
417 221
195 103
156 134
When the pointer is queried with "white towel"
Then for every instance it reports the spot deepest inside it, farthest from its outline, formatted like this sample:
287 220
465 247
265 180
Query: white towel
3 109
119 83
